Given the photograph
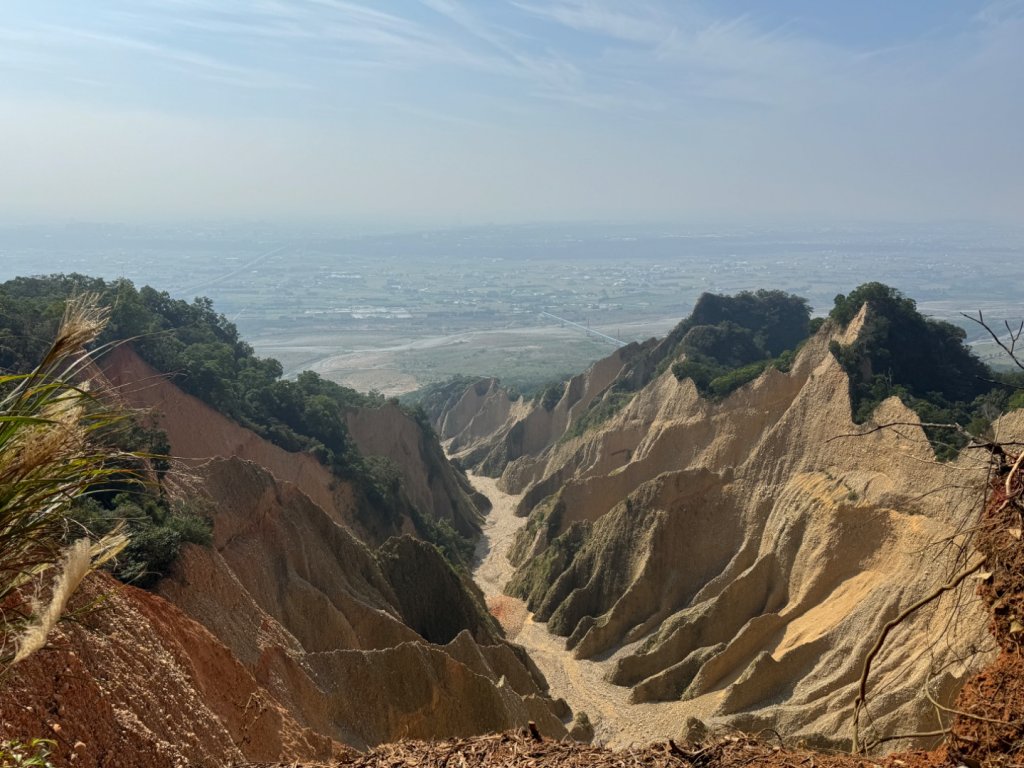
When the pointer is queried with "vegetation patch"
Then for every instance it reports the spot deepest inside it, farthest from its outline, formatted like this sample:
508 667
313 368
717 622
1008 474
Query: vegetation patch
729 341
207 358
546 517
533 581
923 361
600 411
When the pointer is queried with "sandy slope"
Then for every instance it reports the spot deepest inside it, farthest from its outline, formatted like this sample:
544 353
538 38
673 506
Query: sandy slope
580 682
736 560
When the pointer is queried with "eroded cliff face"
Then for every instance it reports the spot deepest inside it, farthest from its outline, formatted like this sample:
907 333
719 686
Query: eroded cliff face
342 635
137 683
428 479
488 431
736 560
198 433
301 631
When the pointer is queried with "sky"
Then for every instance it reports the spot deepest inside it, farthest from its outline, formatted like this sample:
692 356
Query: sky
504 111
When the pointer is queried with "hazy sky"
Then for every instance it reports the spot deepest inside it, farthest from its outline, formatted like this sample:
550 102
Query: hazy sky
459 111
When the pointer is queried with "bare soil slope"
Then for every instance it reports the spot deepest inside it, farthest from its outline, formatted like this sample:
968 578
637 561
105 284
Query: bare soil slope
139 684
736 560
334 629
197 433
292 634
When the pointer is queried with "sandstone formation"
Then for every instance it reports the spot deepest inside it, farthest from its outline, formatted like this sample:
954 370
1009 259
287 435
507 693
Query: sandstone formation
363 646
737 559
197 433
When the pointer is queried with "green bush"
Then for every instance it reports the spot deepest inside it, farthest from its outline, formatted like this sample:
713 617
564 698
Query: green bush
34 753
204 353
924 362
551 395
729 341
157 528
599 412
736 378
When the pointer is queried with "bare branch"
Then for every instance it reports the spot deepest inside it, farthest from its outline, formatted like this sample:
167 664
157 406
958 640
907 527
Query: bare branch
891 424
889 627
1014 336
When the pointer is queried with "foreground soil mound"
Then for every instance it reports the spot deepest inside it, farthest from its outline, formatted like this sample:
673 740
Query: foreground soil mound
987 720
522 749
736 560
139 683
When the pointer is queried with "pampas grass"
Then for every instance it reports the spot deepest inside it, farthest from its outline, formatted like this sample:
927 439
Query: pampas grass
48 458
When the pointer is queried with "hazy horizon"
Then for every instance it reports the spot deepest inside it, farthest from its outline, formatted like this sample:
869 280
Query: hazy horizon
442 113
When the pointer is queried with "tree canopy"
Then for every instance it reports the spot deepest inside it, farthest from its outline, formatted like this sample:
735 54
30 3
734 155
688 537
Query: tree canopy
730 340
923 361
203 352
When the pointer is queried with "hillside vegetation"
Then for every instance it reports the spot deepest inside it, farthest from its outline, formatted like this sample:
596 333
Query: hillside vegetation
207 358
728 341
923 361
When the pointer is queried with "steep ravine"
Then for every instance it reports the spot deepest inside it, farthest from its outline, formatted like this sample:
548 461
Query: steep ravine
735 560
580 682
290 636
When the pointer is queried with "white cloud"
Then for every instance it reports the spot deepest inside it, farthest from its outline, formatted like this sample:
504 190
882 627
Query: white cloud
470 111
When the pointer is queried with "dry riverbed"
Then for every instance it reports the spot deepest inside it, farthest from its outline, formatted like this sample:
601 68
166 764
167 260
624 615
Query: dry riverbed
580 682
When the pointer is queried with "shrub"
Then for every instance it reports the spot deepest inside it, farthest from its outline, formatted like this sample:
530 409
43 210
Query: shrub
34 753
924 362
551 395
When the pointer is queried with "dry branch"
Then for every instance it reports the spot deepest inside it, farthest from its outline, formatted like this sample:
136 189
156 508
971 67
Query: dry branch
953 583
1014 336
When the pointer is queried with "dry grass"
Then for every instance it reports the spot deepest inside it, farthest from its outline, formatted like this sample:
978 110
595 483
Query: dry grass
48 458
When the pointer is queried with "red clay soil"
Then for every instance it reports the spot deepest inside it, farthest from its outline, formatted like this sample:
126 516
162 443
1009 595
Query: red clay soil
989 728
139 684
523 749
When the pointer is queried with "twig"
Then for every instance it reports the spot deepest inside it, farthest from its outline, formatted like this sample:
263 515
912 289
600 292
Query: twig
961 713
1014 336
889 627
918 735
1012 473
891 424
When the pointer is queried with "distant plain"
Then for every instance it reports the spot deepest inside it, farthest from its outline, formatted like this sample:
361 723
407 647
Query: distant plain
393 312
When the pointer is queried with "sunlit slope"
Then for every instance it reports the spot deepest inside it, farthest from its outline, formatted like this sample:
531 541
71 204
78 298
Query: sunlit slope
743 554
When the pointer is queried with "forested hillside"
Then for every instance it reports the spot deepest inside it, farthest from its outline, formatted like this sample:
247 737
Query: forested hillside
923 361
205 356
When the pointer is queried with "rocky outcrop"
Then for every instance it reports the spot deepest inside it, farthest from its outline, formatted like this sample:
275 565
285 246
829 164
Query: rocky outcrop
737 559
428 479
489 431
360 645
432 597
